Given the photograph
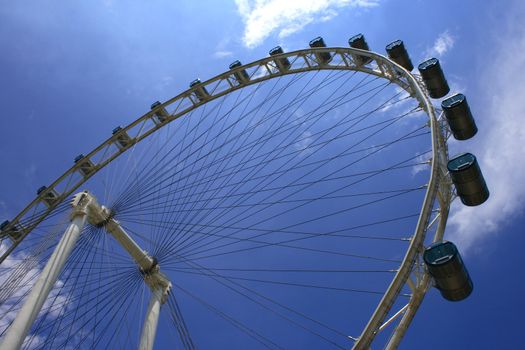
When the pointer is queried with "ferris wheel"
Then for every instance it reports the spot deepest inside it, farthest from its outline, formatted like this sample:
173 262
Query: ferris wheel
298 201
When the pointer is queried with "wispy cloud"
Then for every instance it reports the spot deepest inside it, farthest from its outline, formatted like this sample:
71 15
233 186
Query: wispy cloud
304 143
222 54
30 174
443 44
54 304
265 17
499 147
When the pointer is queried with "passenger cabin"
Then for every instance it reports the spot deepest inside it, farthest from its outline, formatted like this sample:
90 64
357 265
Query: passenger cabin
397 52
282 63
240 75
14 232
200 91
434 78
446 267
85 165
459 117
468 179
321 57
358 42
48 195
160 112
122 139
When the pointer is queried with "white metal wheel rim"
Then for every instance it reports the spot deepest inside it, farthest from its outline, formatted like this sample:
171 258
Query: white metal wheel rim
438 190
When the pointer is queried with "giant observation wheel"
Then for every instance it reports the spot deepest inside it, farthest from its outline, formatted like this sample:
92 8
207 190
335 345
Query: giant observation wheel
285 203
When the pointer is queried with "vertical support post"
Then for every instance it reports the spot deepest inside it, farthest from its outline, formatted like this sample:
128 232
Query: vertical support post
26 316
149 329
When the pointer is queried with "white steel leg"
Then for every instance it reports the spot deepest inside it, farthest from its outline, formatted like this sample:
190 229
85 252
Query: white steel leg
149 329
157 281
26 316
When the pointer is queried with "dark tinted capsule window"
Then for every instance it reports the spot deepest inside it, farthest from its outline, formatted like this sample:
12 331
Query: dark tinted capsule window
462 161
440 253
394 44
276 50
235 64
428 64
453 101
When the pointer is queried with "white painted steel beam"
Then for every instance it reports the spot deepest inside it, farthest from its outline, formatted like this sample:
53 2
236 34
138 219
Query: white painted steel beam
18 330
158 283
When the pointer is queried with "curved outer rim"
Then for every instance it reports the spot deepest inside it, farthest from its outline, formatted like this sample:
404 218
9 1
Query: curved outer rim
258 71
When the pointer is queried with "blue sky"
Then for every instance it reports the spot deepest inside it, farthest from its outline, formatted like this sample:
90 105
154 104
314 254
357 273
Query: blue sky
72 72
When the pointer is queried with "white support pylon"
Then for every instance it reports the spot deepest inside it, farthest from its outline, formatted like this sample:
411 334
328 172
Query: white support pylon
18 330
160 288
85 207
158 283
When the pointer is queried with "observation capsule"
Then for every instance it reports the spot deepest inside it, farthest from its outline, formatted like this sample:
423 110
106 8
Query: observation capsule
358 42
398 53
160 112
434 78
322 57
283 64
459 117
122 139
200 91
241 75
468 179
49 195
85 165
445 265
14 233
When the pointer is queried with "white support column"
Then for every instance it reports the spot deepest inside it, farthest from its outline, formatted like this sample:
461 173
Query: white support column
149 329
18 330
158 283
142 258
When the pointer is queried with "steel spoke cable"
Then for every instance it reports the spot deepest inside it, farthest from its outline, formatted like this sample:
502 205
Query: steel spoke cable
235 323
253 187
214 269
214 139
261 105
255 108
166 207
123 285
169 209
234 188
130 189
268 244
234 286
245 115
266 162
132 209
283 283
257 142
181 326
332 233
261 244
345 186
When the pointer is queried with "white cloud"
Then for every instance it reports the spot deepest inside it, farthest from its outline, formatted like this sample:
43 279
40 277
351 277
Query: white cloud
444 42
304 143
499 145
30 173
222 54
423 164
54 303
264 17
